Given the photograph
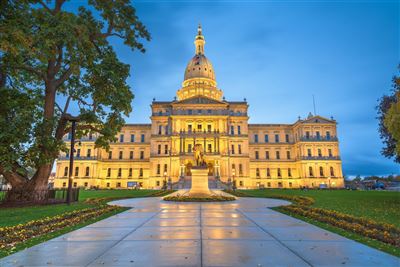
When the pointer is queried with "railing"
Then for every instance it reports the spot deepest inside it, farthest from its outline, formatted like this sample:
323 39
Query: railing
38 196
319 158
317 139
78 158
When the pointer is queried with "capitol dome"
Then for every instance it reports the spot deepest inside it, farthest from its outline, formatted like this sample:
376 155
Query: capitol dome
199 67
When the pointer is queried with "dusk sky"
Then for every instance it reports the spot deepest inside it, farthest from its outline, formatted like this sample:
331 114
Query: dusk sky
277 54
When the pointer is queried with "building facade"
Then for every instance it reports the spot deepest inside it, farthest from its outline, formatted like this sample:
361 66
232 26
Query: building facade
305 153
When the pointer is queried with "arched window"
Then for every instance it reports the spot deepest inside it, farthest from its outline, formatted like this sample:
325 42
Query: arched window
66 171
321 171
310 171
332 172
87 171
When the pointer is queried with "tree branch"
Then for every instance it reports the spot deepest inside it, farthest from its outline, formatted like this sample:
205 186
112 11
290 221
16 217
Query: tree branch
46 7
64 77
32 70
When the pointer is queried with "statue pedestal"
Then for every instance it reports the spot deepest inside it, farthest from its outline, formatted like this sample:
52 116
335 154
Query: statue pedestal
199 182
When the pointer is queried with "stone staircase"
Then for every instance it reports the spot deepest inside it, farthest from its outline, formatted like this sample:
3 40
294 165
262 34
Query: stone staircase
186 183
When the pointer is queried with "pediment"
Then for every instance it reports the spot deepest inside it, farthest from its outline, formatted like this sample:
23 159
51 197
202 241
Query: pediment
199 100
318 119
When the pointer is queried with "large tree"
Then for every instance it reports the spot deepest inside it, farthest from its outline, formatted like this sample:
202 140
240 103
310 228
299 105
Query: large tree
52 60
389 121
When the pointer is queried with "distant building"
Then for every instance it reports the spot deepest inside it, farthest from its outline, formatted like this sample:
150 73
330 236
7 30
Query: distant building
304 153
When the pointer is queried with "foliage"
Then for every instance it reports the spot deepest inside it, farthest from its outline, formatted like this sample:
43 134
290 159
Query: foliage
199 199
389 121
53 59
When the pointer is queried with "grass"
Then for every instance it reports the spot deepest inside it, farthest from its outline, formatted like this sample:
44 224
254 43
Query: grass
20 215
382 206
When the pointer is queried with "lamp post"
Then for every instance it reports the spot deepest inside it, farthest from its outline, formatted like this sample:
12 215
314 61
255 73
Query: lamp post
233 180
73 121
165 181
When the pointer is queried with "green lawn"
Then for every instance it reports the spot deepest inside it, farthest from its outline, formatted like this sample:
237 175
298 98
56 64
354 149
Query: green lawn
381 206
13 216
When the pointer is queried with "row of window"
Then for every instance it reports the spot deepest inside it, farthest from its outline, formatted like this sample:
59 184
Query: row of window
319 152
166 151
86 184
160 129
121 155
87 172
132 140
277 155
266 138
289 171
199 128
318 135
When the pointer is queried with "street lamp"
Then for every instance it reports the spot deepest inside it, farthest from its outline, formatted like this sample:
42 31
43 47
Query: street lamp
233 179
73 121
165 181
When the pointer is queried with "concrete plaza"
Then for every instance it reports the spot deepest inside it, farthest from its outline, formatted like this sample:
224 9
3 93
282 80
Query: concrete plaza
244 232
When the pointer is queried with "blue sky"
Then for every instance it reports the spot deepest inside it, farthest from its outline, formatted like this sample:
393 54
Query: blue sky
277 54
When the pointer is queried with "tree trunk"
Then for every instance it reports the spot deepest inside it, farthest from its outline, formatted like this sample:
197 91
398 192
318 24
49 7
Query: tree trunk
34 190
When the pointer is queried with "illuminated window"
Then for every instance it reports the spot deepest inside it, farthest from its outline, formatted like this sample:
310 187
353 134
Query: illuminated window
108 172
119 172
321 171
310 171
87 171
121 155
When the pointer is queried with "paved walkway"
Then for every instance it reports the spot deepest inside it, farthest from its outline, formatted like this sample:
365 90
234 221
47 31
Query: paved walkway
240 233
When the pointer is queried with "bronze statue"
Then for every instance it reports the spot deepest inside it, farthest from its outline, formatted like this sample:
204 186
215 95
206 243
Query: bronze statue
199 155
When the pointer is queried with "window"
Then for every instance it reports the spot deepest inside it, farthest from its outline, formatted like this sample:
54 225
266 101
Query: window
233 149
209 111
256 138
190 112
166 130
87 171
109 172
199 111
290 184
75 184
258 172
319 152
88 153
288 154
330 152
118 184
121 138
132 138
321 171
209 148
159 129
279 172
142 138
76 171
278 155
78 153
266 154
130 154
119 172
165 149
269 184
309 152
199 127
240 183
268 172
165 168
277 138
85 184
332 172
141 154
287 138
110 155
64 184
266 139
280 184
108 184
240 149
318 135
157 183
159 150
121 155
238 129
141 172
240 169
209 128
189 148
66 171
310 171
328 135
289 172
158 169
189 128
232 130
307 135
130 172
257 156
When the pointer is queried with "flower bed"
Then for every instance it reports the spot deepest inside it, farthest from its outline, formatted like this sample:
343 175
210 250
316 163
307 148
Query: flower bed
199 199
11 236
